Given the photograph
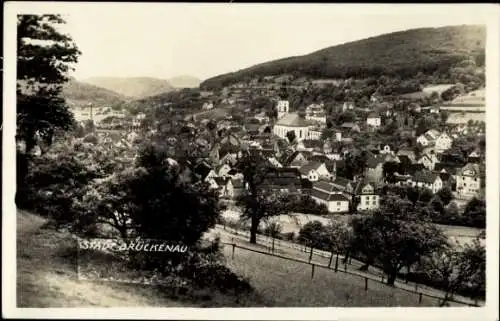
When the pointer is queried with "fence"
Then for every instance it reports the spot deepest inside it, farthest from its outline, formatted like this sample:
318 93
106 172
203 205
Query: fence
367 277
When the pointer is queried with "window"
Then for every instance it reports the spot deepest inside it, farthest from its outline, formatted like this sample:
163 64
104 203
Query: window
374 202
338 203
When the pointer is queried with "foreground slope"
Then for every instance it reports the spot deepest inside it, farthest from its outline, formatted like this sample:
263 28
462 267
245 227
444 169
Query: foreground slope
404 53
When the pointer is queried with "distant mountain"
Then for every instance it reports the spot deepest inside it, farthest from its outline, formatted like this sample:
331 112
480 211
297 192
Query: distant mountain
80 94
184 82
134 87
405 53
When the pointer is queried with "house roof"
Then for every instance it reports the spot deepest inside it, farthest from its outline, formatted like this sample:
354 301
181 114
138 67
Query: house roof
293 120
373 115
202 169
326 186
341 182
312 143
305 169
358 189
425 176
349 125
328 197
471 167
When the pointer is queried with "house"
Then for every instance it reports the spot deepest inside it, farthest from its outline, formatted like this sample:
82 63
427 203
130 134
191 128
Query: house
310 145
425 139
207 106
427 179
348 105
373 120
350 127
474 157
224 170
469 181
443 142
296 159
366 196
284 180
314 171
374 171
429 160
324 192
409 153
316 113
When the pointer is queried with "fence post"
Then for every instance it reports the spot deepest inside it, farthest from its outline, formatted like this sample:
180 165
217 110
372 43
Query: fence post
416 286
312 271
331 258
419 298
366 284
337 263
382 279
234 245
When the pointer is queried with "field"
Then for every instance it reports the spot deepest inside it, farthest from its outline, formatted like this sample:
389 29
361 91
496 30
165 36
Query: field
47 277
463 118
289 283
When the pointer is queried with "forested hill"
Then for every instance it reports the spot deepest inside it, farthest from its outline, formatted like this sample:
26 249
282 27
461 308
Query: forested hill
78 93
405 53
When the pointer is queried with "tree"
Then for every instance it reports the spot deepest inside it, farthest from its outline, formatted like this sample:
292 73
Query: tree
257 201
314 235
340 236
395 239
44 57
445 195
273 229
291 136
475 213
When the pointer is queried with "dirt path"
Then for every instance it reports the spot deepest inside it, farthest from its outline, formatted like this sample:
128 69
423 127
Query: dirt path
46 274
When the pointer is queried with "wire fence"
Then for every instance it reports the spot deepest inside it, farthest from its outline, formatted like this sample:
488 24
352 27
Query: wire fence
415 288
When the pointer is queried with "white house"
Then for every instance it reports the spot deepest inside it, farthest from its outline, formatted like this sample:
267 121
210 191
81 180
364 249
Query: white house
224 170
428 160
469 181
207 106
367 196
314 171
348 105
316 113
427 179
443 142
324 192
373 120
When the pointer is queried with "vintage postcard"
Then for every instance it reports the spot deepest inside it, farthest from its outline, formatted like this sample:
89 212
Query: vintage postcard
212 161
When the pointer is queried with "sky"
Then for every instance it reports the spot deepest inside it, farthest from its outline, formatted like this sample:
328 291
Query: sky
203 40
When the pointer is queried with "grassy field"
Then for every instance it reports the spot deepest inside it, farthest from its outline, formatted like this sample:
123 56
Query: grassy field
288 283
47 278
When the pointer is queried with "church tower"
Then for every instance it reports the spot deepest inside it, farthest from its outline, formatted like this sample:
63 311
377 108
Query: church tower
283 108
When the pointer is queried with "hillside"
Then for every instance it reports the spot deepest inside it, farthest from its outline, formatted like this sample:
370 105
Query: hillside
405 53
134 87
78 93
184 82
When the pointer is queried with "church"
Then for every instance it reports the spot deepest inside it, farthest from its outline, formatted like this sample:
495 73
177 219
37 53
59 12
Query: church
303 128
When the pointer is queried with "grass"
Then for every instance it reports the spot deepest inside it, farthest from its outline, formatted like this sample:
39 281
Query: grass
289 283
47 277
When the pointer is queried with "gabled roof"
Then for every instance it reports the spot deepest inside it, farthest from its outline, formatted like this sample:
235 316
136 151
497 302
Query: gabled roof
373 115
328 197
202 169
312 143
341 182
305 169
293 120
425 176
358 189
325 186
471 167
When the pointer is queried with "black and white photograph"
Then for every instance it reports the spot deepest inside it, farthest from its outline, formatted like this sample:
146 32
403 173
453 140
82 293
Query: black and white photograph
174 155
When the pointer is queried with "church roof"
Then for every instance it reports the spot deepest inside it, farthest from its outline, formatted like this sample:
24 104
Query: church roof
293 120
